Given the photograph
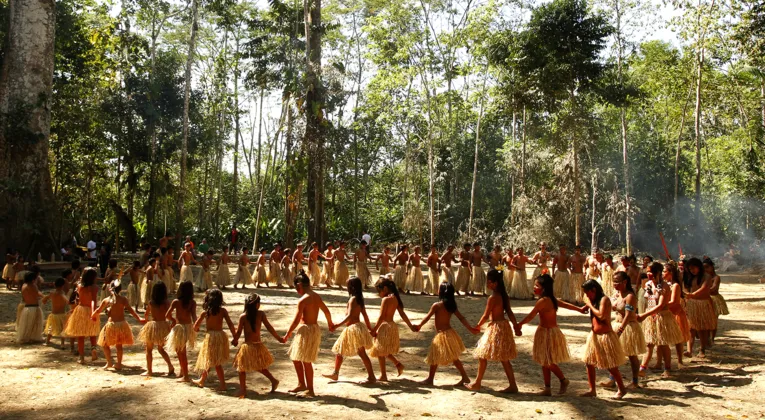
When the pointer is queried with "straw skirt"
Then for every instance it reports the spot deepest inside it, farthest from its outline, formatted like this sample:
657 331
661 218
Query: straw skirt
562 287
80 324
353 338
29 324
214 351
387 340
519 289
362 272
604 351
115 333
154 332
721 307
305 344
701 314
415 282
341 274
181 337
55 324
399 277
463 279
633 339
134 298
478 283
497 343
224 276
550 347
445 348
252 357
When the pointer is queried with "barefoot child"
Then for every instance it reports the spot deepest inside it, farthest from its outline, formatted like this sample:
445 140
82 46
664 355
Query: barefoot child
341 270
355 338
386 343
286 270
260 276
184 261
701 311
447 345
446 267
560 265
274 266
156 328
80 324
550 348
400 274
305 346
627 327
385 260
433 277
182 335
328 267
314 270
134 296
54 326
116 331
520 287
497 343
223 278
414 282
215 349
360 258
462 283
253 356
243 274
677 307
205 280
721 307
603 349
29 320
478 281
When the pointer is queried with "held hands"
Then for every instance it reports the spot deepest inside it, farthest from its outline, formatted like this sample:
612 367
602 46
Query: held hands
234 342
584 309
518 331
475 330
415 328
640 317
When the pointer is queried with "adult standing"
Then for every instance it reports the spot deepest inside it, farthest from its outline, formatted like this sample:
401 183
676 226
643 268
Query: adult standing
104 255
233 237
203 247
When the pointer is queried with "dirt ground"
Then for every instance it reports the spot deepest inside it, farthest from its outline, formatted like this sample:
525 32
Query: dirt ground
46 382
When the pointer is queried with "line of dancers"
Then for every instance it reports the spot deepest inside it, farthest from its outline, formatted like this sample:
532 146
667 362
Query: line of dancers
678 309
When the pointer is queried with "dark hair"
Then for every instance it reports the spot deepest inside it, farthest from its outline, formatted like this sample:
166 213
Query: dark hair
66 273
136 264
354 289
75 264
708 261
446 295
158 293
476 244
656 269
288 252
599 295
547 282
363 242
210 252
213 301
626 280
60 282
251 305
116 286
391 288
466 245
495 276
113 263
302 279
89 278
650 258
152 261
30 276
609 257
689 277
185 293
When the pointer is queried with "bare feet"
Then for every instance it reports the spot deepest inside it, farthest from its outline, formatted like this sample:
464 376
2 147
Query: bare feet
607 384
633 385
701 355
108 366
619 394
184 379
368 381
591 393
510 390
118 367
169 374
147 373
299 388
545 392
400 368
426 381
81 361
199 382
306 394
473 386
687 354
382 378
221 388
641 373
94 354
563 386
666 375
333 376
274 385
462 382
656 367
241 394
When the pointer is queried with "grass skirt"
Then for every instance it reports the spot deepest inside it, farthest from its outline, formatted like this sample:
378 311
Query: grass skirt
433 282
562 286
577 280
214 351
181 337
224 276
274 272
387 341
399 277
259 276
341 273
701 314
415 281
242 275
133 297
550 347
305 344
384 270
287 276
362 271
146 287
520 287
352 339
29 324
446 347
154 332
55 324
478 282
537 272
604 351
8 272
721 307
115 333
463 279
668 331
79 323
608 282
186 274
497 343
169 279
682 321
642 302
252 357
206 280
633 339
328 272
448 276
507 276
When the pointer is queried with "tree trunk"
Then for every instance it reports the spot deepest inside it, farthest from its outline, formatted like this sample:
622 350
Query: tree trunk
697 132
26 83
260 133
594 241
762 108
179 229
523 152
237 132
475 169
677 151
314 112
431 186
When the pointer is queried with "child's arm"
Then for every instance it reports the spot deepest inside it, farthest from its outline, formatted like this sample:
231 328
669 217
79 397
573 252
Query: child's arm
406 319
228 321
46 299
486 312
199 321
193 311
366 317
271 329
379 318
327 315
169 314
655 310
296 321
629 303
239 329
427 317
98 311
566 305
133 312
531 314
602 310
466 323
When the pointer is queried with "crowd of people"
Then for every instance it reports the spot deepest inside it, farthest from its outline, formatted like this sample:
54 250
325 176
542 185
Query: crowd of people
634 311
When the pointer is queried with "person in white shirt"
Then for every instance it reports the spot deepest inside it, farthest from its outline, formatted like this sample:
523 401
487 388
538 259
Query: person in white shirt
366 238
92 249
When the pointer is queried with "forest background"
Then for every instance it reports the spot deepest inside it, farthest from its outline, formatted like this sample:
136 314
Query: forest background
428 121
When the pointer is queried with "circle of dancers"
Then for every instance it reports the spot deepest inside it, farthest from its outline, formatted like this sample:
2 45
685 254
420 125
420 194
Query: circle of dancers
633 312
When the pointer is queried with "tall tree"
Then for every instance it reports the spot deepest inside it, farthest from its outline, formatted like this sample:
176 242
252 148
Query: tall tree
26 87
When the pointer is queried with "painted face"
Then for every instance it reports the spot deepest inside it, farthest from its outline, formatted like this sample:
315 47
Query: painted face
537 288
